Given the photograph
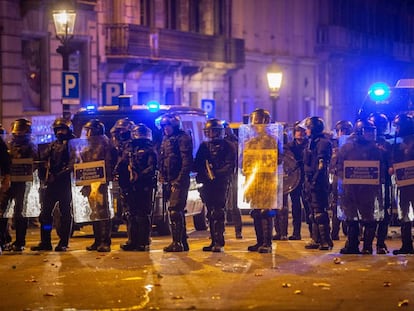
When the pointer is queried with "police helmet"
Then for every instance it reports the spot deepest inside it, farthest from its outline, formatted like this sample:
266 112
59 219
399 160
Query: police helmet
60 123
21 127
380 120
170 119
344 126
94 127
297 127
363 127
122 129
141 131
259 116
315 125
403 124
214 129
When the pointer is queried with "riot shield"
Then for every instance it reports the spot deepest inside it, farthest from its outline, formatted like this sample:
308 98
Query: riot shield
92 197
404 180
291 173
360 195
25 172
260 169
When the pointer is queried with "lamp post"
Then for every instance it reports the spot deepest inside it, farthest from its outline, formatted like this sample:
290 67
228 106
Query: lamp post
64 22
274 81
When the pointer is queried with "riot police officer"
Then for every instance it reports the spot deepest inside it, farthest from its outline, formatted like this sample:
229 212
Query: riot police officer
137 178
99 148
343 129
214 164
121 139
20 147
297 147
381 122
5 164
358 199
316 161
262 190
232 209
403 152
175 164
57 188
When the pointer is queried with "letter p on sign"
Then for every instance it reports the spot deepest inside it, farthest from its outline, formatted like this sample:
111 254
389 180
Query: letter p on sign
70 85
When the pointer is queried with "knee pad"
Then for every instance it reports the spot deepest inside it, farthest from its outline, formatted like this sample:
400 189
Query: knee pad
217 215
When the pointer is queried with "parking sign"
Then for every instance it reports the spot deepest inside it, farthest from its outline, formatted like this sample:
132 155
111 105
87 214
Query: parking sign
111 91
70 88
209 106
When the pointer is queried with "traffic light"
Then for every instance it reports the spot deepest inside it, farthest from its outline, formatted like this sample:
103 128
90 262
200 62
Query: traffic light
379 92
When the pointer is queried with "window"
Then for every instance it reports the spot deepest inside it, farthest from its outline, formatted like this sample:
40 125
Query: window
33 74
146 9
171 9
195 16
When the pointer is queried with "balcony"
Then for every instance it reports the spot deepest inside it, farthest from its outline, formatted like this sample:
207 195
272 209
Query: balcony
339 39
137 44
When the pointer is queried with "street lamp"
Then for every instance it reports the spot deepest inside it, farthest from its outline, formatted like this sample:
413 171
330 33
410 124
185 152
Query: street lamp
64 22
274 82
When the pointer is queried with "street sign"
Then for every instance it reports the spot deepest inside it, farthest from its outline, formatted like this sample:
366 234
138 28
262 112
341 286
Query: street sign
111 91
70 88
209 106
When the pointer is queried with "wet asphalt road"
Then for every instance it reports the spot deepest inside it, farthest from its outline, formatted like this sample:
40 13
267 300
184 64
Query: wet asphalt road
291 278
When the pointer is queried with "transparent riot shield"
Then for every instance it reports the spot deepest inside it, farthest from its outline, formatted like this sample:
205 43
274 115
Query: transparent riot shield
25 176
260 169
92 197
404 180
360 195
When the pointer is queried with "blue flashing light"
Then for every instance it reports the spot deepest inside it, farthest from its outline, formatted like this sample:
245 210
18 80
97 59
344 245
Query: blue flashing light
153 106
90 107
379 92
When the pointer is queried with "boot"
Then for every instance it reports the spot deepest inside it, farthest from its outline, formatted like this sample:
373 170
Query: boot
177 228
45 239
314 243
105 236
406 238
96 234
369 235
21 228
5 237
352 242
184 239
144 232
257 222
322 220
267 227
218 236
238 231
281 224
382 232
132 232
64 235
326 243
212 236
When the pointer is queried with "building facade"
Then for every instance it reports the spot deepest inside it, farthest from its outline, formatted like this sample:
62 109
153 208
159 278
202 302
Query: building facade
189 52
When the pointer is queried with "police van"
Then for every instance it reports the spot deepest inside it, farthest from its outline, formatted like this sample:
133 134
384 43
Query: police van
193 120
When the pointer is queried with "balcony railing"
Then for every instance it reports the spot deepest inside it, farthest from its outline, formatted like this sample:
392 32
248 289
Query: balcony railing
138 42
335 38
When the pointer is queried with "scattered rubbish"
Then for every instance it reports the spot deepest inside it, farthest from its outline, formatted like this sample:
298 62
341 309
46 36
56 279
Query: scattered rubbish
337 260
177 297
49 294
403 303
297 292
387 284
286 285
